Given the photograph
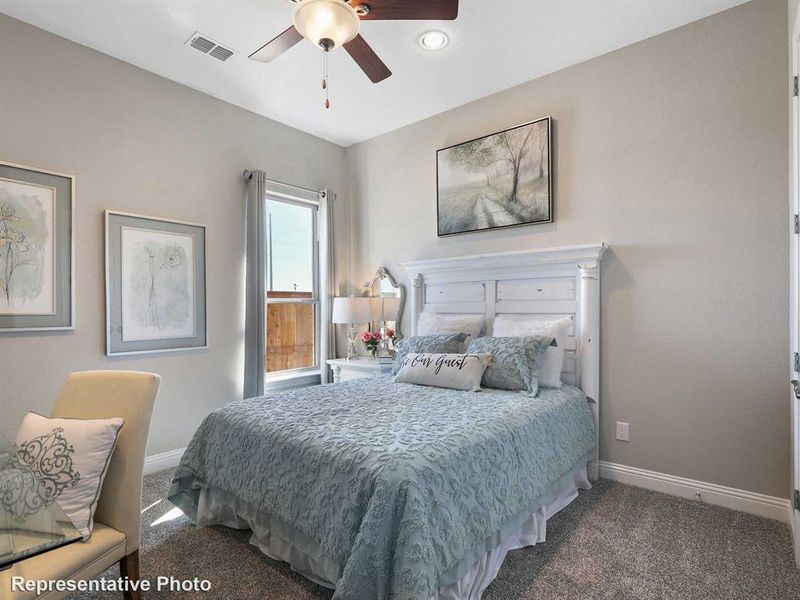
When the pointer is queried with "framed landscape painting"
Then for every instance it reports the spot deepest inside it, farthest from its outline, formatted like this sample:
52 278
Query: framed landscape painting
36 249
499 180
155 284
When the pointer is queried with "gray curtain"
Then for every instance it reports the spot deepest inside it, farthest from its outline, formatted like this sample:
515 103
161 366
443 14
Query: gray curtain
255 332
327 342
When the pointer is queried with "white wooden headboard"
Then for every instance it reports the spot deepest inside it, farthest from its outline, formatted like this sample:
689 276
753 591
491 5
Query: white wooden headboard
545 284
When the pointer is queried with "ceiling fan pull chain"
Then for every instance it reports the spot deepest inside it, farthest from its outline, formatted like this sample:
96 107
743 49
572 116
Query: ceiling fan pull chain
325 78
325 71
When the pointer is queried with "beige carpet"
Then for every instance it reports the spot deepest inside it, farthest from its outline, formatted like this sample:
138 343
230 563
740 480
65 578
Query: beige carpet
615 541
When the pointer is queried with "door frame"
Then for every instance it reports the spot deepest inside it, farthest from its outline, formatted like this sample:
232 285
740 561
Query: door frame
794 289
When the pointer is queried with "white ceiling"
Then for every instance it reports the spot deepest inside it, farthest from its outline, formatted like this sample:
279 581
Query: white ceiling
494 45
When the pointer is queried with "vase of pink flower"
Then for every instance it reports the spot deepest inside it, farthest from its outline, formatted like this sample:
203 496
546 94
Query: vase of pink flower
372 340
391 335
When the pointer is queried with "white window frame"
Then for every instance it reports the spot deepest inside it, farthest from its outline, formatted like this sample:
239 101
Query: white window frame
304 375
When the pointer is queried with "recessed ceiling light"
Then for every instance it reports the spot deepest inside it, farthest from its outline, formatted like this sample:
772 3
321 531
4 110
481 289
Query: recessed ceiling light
433 40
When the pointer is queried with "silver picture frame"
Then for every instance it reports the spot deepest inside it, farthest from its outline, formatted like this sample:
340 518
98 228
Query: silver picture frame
382 274
117 225
62 316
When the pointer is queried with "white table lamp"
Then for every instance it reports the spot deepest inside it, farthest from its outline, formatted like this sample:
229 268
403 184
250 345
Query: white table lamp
351 311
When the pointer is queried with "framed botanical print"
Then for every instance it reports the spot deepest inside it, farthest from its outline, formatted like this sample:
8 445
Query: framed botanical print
155 284
499 180
37 253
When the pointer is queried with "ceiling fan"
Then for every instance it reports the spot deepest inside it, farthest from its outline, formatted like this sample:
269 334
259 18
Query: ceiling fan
330 24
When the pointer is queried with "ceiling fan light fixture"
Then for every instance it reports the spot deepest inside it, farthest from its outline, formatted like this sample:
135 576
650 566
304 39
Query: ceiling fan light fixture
433 40
326 23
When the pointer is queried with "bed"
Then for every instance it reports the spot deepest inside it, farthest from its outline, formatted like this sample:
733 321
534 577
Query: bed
386 490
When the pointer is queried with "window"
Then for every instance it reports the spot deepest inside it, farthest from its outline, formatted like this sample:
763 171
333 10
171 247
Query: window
292 282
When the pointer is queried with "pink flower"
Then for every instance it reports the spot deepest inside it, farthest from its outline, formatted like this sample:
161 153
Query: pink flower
390 333
376 335
366 336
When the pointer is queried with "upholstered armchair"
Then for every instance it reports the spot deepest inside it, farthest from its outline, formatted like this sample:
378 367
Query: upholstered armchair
115 537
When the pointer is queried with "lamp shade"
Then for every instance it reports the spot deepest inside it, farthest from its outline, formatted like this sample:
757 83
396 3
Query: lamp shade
334 21
352 310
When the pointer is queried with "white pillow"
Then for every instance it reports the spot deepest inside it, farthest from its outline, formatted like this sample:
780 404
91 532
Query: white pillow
525 325
431 323
550 367
70 457
454 371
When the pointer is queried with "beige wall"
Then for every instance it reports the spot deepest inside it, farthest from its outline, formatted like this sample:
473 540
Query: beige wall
673 151
140 143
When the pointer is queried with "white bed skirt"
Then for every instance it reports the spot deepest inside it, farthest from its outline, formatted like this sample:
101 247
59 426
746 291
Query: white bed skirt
218 507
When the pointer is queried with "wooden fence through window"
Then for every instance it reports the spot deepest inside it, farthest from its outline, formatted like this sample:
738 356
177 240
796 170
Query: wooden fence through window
290 333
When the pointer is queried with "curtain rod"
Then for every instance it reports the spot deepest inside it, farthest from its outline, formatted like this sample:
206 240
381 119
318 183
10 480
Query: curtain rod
248 175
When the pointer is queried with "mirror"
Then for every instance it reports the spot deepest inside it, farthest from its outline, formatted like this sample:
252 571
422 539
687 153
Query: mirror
389 299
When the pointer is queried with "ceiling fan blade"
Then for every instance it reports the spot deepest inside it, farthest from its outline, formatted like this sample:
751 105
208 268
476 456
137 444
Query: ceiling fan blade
439 10
365 57
277 45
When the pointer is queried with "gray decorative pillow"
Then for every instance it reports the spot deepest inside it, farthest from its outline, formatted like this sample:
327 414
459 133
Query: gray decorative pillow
515 361
448 343
454 371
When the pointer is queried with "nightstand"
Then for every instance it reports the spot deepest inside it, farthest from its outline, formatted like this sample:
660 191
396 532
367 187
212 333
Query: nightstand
345 370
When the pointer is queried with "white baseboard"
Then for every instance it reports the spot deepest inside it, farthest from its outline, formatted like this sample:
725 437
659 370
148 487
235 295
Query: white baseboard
164 460
770 507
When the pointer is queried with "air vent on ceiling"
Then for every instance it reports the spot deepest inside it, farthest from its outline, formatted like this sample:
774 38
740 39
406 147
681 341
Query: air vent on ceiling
221 53
208 46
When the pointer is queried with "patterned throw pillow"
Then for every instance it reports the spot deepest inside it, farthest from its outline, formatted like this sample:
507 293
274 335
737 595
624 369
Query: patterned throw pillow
514 366
69 458
551 364
453 371
451 343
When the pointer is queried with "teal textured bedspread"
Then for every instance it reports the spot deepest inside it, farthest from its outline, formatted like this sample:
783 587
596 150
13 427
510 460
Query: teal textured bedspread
396 488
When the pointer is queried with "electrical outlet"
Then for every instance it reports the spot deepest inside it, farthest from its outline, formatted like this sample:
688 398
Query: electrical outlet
623 432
